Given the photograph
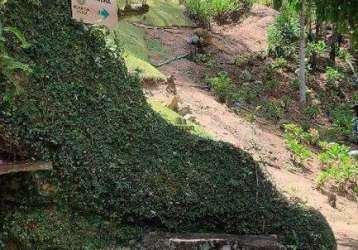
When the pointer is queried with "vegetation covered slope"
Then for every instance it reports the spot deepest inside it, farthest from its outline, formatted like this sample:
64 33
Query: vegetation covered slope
119 168
136 46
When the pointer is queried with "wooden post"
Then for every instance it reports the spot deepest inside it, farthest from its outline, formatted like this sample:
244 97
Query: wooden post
25 167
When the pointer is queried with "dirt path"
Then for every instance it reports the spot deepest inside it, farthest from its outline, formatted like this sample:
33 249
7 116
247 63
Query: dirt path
264 142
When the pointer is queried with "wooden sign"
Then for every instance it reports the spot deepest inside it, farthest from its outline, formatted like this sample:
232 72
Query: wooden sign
104 12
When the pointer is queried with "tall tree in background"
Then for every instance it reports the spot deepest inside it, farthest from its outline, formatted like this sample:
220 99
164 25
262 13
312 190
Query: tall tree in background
343 15
299 5
302 75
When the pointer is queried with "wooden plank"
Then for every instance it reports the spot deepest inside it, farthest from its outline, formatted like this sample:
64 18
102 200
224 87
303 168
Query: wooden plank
25 167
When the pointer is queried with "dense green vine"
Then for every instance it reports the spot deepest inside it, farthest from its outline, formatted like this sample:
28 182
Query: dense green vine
119 168
10 68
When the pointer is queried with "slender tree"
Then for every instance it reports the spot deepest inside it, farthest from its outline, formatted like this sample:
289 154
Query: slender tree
299 5
302 75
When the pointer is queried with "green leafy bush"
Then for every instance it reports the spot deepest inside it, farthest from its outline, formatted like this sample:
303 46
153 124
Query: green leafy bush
283 35
205 11
10 68
250 92
280 63
342 120
222 86
333 76
272 110
296 140
199 10
119 168
318 47
300 152
312 112
295 132
339 167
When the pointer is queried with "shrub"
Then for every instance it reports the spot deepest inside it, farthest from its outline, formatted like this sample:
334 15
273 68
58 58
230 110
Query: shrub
295 139
280 63
312 112
284 34
342 120
205 11
272 85
333 76
248 58
286 102
272 110
199 10
318 47
222 86
300 152
10 68
339 167
250 92
295 132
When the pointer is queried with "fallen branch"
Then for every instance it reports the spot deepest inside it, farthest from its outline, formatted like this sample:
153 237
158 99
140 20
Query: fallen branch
171 60
147 26
25 167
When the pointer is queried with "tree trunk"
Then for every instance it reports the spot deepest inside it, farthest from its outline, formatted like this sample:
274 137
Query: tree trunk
318 30
312 38
302 76
332 53
277 4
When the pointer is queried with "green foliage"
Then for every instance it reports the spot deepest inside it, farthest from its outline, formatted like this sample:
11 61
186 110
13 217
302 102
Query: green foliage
199 10
136 50
161 13
272 110
283 35
272 85
174 118
295 132
205 11
300 152
119 167
318 47
10 68
346 57
280 63
339 167
248 58
286 102
333 76
295 139
342 120
222 86
341 13
311 112
207 59
250 92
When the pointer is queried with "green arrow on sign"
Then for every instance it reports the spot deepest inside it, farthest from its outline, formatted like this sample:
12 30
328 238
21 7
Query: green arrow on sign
104 13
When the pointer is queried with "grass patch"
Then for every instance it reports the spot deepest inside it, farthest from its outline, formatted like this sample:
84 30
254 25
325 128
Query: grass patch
163 13
136 51
176 119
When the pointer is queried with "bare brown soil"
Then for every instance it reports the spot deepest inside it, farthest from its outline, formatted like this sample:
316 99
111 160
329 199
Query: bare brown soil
262 139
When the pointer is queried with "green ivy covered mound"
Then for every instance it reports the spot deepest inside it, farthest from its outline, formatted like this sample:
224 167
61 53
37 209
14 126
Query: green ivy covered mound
119 168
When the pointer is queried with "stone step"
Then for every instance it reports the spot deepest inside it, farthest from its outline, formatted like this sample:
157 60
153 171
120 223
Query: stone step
166 241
